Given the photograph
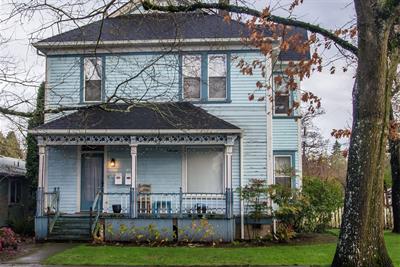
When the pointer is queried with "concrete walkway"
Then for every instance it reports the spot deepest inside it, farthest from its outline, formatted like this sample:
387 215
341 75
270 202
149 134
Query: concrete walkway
38 253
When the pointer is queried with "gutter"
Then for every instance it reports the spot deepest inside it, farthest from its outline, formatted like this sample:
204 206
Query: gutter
132 131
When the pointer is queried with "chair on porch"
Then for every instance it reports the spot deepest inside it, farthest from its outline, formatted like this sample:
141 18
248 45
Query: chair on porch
144 200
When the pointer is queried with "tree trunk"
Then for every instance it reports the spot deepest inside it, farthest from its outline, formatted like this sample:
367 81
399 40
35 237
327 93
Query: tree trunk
361 241
395 166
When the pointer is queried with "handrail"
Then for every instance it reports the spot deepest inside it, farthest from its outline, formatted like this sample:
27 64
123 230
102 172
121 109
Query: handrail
95 207
56 202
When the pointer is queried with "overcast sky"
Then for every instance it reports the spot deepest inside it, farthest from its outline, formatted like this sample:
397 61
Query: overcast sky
335 90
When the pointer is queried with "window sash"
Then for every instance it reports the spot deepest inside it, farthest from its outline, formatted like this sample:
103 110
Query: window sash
205 170
281 104
191 75
15 192
281 176
93 72
282 93
217 73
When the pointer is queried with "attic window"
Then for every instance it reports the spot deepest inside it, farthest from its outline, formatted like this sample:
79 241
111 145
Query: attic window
93 79
191 76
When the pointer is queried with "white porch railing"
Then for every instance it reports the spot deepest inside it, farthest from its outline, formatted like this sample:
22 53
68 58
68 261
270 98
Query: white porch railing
138 204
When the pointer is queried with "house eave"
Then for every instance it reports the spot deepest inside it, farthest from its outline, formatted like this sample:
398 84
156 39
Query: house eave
43 46
132 131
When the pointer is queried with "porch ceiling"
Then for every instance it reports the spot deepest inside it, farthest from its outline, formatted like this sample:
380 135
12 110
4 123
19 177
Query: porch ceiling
171 117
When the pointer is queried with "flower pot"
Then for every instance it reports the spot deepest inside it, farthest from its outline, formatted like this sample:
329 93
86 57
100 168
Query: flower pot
116 208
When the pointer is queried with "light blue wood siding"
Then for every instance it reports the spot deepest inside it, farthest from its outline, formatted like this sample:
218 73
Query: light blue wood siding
159 166
144 77
63 83
62 168
159 80
250 116
285 134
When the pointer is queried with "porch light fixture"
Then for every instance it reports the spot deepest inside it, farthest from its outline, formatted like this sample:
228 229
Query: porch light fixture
112 163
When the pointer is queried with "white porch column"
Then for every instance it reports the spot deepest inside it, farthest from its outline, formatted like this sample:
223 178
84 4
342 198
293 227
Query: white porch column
42 166
228 166
133 191
134 164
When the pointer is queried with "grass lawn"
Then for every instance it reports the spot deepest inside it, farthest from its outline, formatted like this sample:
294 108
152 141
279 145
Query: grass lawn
316 254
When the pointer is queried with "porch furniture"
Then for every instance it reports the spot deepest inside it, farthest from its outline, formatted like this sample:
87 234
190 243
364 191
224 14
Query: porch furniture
161 207
144 200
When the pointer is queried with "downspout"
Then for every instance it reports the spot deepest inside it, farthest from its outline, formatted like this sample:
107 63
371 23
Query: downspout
241 186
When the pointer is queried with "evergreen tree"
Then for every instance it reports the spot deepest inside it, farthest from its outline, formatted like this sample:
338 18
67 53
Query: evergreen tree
32 155
9 146
336 149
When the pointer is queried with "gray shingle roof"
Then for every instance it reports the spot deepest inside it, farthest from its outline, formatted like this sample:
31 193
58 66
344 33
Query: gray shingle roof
161 26
152 116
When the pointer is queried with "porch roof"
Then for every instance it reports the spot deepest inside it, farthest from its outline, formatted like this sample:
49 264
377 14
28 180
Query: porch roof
170 117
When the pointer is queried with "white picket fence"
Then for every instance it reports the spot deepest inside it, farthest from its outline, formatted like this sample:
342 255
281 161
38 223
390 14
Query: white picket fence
336 220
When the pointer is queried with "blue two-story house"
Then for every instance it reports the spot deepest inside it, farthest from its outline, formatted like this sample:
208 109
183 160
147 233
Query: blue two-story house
156 127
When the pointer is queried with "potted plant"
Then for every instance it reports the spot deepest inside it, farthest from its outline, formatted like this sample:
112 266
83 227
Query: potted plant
117 208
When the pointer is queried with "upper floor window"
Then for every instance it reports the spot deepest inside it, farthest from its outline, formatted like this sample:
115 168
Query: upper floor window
283 170
217 77
281 98
15 193
191 69
93 79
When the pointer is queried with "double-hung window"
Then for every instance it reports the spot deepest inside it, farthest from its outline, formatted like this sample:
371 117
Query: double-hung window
15 192
92 68
217 69
205 170
283 170
191 68
282 98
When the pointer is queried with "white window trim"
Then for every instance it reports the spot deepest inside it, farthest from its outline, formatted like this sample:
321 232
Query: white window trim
226 78
291 165
183 78
84 81
284 94
185 171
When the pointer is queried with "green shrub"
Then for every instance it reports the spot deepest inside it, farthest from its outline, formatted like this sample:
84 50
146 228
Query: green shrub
325 197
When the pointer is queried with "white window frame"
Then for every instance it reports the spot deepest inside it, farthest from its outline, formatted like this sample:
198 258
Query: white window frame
200 76
226 77
291 166
101 83
185 170
284 94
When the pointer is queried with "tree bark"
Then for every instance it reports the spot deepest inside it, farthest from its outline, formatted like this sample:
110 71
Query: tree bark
361 240
395 169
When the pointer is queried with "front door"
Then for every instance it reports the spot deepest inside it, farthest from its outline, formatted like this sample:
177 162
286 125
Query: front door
91 178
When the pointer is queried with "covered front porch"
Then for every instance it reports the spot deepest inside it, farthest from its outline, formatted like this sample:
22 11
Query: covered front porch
163 174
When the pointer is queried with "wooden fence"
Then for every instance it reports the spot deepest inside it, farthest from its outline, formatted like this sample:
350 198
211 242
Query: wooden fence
388 218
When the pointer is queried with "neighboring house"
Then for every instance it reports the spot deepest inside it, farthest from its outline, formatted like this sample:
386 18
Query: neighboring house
192 140
13 190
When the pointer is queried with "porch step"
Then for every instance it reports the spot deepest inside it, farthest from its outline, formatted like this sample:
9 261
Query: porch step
71 228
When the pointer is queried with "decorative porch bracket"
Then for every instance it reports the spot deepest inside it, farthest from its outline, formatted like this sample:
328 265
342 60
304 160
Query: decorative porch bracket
162 139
